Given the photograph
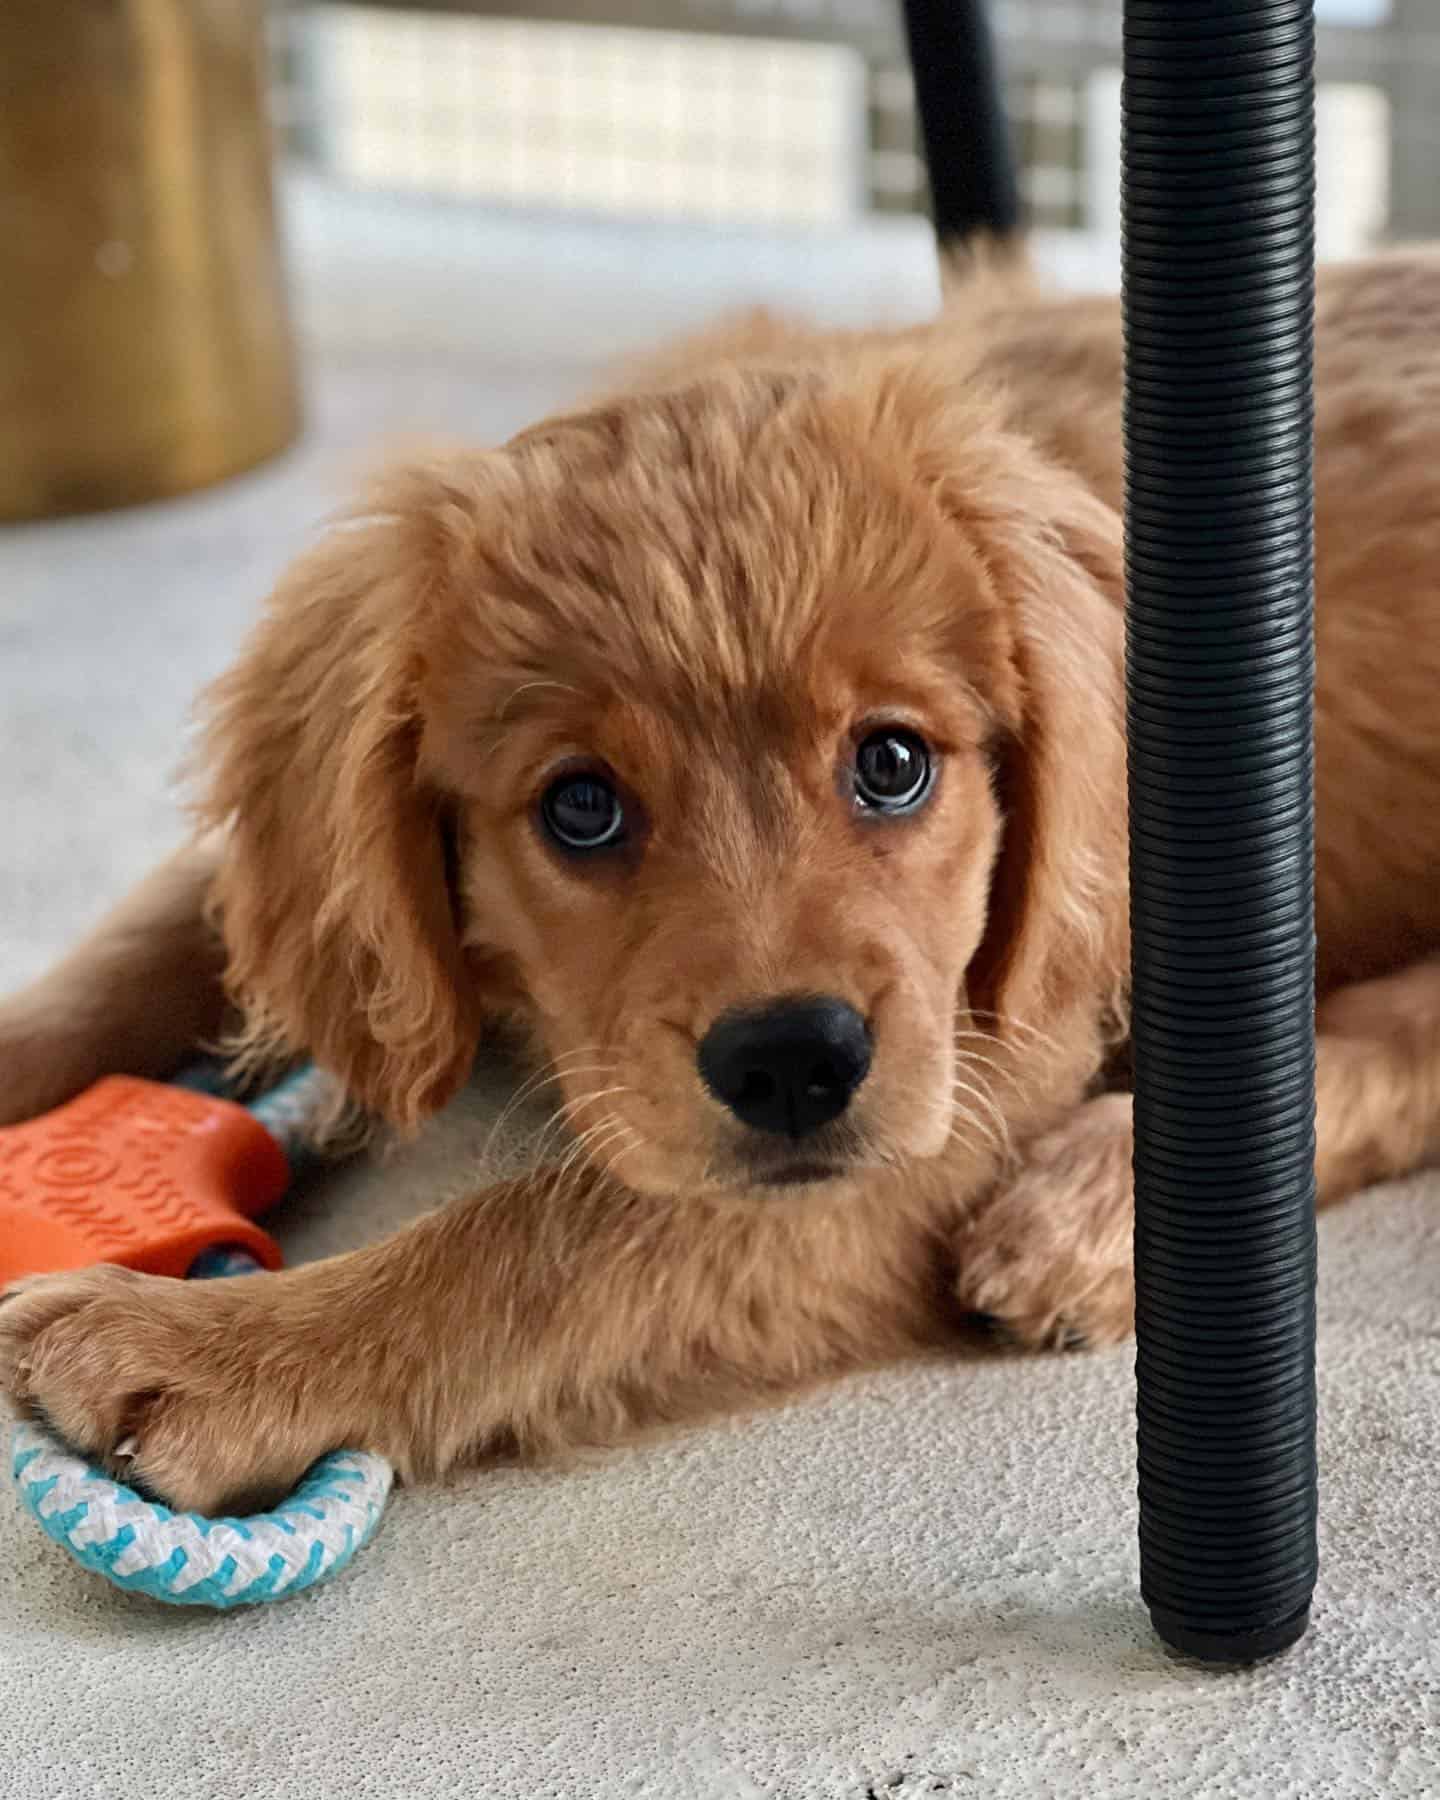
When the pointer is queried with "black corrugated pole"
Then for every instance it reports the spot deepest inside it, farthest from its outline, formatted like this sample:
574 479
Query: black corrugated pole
968 151
1218 272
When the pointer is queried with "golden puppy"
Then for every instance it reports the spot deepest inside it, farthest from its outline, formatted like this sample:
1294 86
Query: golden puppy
753 739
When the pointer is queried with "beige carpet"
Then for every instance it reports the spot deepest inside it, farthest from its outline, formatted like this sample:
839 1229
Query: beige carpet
918 1583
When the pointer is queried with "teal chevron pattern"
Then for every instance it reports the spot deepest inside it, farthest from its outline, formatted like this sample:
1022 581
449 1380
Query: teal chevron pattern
188 1560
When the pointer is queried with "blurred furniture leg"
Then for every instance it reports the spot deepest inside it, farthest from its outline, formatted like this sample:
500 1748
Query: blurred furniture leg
968 149
145 343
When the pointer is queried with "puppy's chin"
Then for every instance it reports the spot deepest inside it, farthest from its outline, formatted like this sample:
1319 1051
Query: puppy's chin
764 1168
801 1174
789 1184
835 1156
744 1173
755 1167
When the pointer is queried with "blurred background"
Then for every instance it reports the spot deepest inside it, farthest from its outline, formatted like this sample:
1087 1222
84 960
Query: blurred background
460 153
538 182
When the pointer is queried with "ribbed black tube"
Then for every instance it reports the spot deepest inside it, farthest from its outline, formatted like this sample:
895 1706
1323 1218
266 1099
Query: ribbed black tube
1218 268
968 152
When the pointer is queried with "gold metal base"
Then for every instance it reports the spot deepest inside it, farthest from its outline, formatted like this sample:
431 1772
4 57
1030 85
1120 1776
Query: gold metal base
145 341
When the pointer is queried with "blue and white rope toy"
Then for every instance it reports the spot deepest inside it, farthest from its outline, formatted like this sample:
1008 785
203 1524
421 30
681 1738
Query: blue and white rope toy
186 1559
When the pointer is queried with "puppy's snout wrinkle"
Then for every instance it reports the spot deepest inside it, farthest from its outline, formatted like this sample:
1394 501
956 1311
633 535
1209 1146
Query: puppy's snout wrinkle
787 1067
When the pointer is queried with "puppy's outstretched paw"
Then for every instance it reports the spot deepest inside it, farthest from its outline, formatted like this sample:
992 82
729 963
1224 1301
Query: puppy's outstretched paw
170 1386
1046 1262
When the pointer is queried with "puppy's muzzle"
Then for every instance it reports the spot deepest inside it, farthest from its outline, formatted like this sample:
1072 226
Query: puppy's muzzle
787 1067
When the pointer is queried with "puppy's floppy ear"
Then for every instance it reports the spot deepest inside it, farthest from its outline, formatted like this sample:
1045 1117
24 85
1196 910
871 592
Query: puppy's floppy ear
332 895
1057 931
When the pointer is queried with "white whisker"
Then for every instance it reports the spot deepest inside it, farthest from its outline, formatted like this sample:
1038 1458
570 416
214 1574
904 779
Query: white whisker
622 1087
996 1126
968 1057
1004 1022
625 1141
545 1076
584 1151
526 687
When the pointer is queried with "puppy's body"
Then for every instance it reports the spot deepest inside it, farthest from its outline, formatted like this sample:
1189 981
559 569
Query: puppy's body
705 601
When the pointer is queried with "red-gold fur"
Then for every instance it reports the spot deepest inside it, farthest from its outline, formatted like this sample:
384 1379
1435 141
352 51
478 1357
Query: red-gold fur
714 579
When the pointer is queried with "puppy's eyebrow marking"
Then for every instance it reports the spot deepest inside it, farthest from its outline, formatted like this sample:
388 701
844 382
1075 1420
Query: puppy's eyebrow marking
526 687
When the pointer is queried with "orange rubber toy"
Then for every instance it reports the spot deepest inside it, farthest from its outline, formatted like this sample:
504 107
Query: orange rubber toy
137 1173
163 1179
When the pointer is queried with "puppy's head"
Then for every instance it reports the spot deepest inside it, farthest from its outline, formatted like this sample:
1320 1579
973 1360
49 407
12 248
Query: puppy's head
756 741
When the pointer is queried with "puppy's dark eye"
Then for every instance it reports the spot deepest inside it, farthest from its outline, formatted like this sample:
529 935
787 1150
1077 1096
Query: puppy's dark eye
893 770
583 812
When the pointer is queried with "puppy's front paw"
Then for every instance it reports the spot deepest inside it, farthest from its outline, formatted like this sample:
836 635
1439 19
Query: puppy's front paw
1047 1261
171 1386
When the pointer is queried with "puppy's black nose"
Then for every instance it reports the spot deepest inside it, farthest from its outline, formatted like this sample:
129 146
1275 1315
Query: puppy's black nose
789 1067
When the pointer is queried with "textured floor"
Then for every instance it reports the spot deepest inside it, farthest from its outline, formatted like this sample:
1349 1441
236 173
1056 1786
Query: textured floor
918 1583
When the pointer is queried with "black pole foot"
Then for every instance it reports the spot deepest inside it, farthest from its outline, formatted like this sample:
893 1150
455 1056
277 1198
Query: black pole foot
1238 1647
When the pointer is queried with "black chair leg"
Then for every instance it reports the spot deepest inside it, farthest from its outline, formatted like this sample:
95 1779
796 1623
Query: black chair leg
1219 277
1219 254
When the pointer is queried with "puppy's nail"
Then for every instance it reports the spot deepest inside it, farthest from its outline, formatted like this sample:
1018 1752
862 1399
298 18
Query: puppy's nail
127 1447
994 1327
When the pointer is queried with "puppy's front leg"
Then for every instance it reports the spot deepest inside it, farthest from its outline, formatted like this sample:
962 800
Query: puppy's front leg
547 1311
1049 1255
